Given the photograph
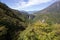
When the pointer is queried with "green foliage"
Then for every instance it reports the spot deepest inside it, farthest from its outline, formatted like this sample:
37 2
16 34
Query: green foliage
12 22
41 31
51 13
15 25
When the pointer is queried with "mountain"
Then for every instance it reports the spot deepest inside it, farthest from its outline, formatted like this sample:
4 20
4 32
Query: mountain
51 13
11 22
55 7
31 12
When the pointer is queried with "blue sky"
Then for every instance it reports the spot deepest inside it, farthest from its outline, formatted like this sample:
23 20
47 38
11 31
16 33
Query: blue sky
28 5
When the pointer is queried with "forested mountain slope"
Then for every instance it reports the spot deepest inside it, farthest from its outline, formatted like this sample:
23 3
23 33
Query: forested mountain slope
51 13
11 22
19 25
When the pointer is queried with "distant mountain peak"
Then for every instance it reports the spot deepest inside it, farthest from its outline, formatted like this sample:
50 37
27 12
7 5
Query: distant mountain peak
55 7
57 0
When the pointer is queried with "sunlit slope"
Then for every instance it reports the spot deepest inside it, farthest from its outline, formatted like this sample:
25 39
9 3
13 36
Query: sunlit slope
51 13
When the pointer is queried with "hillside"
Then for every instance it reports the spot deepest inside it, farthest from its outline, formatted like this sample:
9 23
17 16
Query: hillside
51 13
19 25
11 22
45 24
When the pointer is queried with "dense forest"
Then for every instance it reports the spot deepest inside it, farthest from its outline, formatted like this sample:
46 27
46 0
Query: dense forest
19 25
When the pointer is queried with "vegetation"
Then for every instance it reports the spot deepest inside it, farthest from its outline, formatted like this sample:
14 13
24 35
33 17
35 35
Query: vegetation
51 13
11 22
41 31
19 25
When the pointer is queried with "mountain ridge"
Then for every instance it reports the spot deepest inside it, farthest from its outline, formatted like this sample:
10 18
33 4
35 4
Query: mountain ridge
11 22
53 6
51 13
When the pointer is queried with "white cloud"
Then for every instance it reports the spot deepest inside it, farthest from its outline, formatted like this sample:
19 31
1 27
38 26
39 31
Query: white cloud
23 4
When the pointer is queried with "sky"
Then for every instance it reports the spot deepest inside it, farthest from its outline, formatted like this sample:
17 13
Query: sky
28 5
